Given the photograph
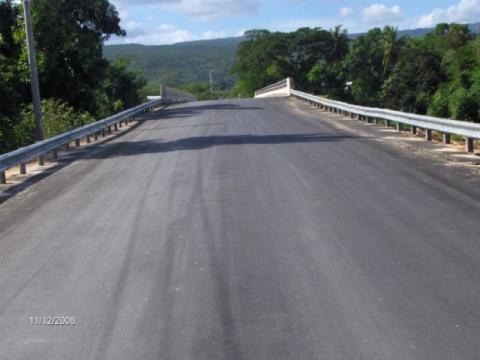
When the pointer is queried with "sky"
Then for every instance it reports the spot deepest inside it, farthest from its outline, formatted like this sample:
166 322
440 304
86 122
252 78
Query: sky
156 22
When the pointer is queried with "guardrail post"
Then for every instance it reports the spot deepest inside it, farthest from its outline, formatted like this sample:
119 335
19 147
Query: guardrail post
469 145
398 126
103 132
95 135
115 127
3 177
413 130
109 129
87 139
428 134
23 169
77 142
387 123
41 160
55 154
120 124
446 138
67 146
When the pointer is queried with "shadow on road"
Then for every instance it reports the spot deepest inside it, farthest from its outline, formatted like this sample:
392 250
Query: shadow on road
189 111
203 142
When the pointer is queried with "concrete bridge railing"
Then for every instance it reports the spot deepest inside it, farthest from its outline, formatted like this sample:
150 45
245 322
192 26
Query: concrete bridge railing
279 89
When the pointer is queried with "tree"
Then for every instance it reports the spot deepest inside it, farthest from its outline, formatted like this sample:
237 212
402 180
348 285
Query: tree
261 59
340 44
390 47
328 80
70 36
414 79
12 87
73 73
120 89
265 57
365 66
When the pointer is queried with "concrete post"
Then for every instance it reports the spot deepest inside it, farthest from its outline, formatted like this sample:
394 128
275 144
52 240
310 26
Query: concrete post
469 145
428 134
23 169
446 138
3 177
413 130
290 83
77 142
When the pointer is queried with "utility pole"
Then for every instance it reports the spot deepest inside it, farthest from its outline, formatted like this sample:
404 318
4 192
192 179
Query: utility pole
37 106
211 81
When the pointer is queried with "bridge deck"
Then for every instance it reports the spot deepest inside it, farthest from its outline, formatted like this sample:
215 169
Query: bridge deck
242 230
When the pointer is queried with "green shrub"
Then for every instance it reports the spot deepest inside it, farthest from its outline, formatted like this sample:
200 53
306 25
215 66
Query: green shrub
463 106
58 117
439 105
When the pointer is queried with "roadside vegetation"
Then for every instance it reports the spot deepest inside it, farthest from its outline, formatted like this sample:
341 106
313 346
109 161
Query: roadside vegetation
77 83
437 74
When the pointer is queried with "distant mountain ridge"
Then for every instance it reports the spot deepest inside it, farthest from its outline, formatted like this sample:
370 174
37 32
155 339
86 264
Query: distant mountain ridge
181 63
191 62
474 27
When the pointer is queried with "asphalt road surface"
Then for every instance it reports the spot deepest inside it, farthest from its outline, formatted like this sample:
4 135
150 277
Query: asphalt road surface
243 230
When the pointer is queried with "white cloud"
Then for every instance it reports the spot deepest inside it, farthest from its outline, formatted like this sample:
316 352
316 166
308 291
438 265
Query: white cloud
346 11
149 33
464 11
210 34
380 14
155 35
204 10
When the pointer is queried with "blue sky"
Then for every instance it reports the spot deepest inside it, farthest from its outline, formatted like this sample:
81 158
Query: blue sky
169 21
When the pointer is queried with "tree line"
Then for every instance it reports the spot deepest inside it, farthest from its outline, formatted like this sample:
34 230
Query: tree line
437 74
76 81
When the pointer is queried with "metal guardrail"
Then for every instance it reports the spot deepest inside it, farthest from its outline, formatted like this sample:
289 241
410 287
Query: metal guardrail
466 129
20 156
279 85
448 127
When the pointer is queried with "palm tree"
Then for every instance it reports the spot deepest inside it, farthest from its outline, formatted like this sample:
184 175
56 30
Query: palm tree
390 46
340 43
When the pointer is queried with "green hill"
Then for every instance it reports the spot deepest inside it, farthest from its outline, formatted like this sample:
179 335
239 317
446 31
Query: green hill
190 62
182 63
